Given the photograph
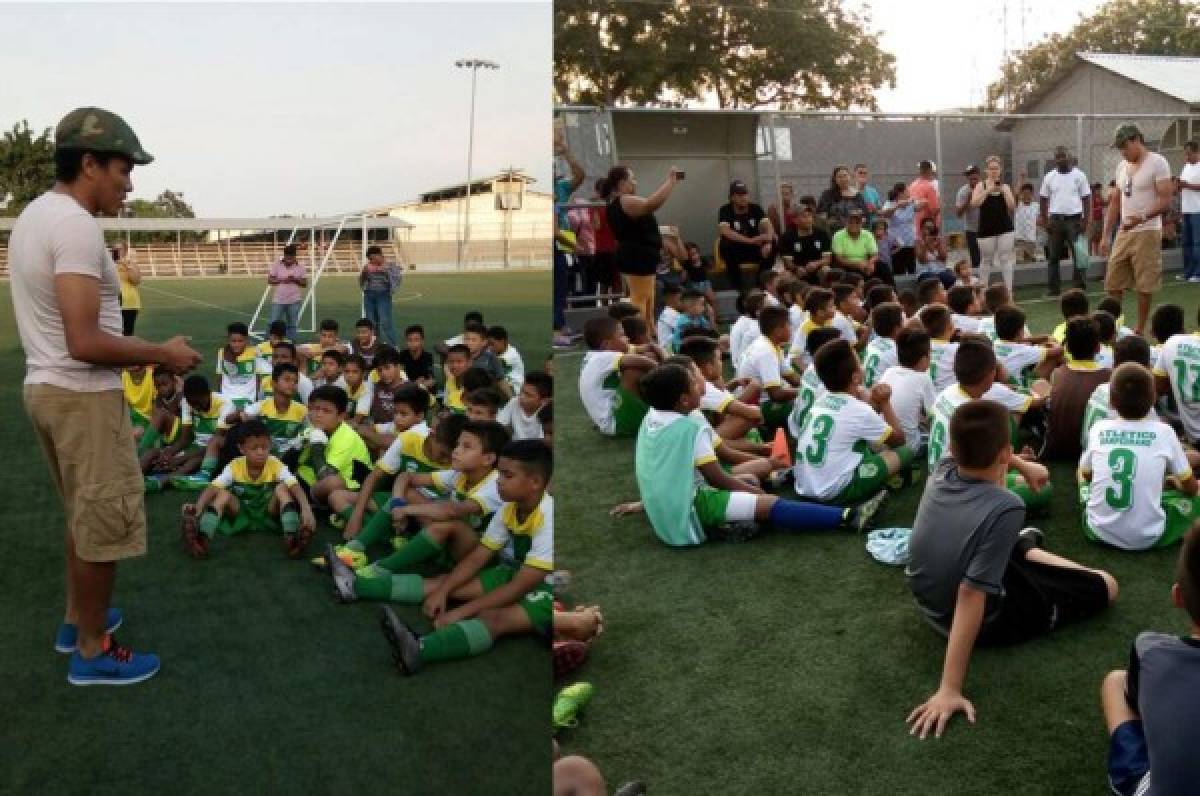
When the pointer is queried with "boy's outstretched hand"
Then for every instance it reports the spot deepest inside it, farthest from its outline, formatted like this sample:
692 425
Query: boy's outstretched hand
937 711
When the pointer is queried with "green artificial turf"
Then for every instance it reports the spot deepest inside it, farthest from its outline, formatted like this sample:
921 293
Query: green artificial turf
267 685
788 664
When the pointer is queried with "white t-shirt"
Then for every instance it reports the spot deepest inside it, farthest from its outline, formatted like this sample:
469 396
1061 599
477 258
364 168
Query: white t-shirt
715 399
523 426
540 554
825 454
1017 357
668 319
1189 200
1137 186
514 366
967 324
798 348
1025 221
954 396
811 389
880 355
912 399
1179 361
743 332
1099 407
796 315
1128 460
55 235
847 327
765 363
1065 192
598 381
941 363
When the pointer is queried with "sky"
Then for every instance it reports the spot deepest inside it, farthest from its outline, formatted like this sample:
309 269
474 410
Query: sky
256 110
948 51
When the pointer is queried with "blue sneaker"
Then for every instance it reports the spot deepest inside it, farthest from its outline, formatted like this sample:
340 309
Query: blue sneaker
68 635
117 665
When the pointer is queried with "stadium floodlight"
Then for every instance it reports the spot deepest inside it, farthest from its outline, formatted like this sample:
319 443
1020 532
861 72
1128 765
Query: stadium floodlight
474 64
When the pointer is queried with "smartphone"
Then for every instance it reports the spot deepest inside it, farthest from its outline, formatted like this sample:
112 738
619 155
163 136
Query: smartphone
679 175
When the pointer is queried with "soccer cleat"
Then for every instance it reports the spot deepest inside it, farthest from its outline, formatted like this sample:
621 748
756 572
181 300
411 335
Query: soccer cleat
116 665
342 574
569 702
1034 536
860 518
568 656
735 532
352 558
633 788
68 635
406 645
195 544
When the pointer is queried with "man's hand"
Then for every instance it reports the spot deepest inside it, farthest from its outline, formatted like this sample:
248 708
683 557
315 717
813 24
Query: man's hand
1133 221
937 711
178 356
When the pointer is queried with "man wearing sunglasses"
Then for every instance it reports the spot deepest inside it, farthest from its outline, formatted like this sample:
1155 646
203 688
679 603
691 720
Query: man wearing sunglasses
1143 194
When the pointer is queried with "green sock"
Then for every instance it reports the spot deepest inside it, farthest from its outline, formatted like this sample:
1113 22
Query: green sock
289 518
456 641
375 529
209 521
208 465
150 438
373 588
408 589
421 547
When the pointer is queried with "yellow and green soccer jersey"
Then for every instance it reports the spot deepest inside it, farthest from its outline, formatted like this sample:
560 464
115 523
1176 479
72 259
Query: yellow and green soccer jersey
454 395
407 454
343 450
485 494
360 399
140 396
285 426
205 423
238 378
523 543
237 479
264 350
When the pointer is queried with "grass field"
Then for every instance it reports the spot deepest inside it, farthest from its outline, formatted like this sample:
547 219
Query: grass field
788 664
268 685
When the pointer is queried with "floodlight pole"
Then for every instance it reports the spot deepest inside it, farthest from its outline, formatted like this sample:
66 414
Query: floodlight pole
474 64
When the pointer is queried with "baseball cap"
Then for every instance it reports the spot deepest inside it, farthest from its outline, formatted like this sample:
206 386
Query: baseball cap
854 212
970 169
101 131
738 186
1125 132
927 164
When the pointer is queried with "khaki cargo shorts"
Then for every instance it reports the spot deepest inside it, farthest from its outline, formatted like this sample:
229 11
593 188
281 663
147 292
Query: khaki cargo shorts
1135 262
87 438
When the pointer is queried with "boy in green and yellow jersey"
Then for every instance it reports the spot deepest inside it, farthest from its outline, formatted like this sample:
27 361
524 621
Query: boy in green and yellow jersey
283 416
237 367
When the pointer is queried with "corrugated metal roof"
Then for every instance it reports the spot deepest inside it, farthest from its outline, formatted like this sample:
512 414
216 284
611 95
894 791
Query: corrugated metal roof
1173 75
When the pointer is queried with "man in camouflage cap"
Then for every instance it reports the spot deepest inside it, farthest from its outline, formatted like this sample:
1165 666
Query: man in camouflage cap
64 292
1143 194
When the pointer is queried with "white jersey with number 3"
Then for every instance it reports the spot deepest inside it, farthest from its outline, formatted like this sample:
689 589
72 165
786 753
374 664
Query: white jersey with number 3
825 454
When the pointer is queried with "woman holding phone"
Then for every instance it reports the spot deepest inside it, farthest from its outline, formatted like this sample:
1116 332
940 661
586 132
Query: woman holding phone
997 242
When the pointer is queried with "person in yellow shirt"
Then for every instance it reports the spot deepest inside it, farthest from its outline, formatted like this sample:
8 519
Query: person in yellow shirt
130 276
138 383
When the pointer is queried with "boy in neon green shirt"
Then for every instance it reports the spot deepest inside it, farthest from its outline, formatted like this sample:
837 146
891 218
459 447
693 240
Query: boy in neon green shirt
334 457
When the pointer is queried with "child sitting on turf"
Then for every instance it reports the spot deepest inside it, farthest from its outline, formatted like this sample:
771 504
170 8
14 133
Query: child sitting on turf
608 378
668 319
372 425
887 319
520 414
484 404
1072 304
908 300
164 427
1125 466
1152 710
938 322
977 577
468 498
745 328
502 586
470 317
735 414
509 356
203 423
276 334
821 311
359 389
637 332
1106 325
793 293
137 382
331 369
912 389
1127 349
811 388
410 406
282 415
692 317
545 418
994 297
1113 307
456 363
365 344
964 307
481 356
334 457
847 306
879 294
256 491
930 292
415 360
1024 363
284 353
327 340
1072 384
1176 370
764 362
835 462
684 492
237 367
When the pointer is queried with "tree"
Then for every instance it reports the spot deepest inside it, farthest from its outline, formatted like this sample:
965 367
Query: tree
788 54
26 167
168 204
1135 27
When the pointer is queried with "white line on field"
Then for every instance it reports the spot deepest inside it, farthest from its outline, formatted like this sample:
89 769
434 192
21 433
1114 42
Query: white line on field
410 297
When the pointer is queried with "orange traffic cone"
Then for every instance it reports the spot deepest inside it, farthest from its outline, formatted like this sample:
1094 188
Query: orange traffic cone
780 455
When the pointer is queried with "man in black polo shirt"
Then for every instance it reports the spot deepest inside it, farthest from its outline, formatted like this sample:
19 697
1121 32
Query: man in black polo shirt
746 235
807 246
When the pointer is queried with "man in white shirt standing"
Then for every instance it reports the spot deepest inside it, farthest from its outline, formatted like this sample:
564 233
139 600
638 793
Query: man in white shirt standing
1189 190
1143 194
1066 201
64 292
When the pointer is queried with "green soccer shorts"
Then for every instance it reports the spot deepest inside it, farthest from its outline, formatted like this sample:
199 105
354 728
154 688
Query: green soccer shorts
628 411
1181 511
871 474
537 604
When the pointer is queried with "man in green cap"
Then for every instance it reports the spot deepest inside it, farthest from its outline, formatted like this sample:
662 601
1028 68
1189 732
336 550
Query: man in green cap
1143 194
65 297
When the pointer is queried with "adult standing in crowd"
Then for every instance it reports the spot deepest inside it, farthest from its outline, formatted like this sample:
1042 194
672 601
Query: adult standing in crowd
968 212
925 187
995 203
379 280
807 247
746 236
607 275
1096 218
65 292
1189 189
841 197
130 276
289 278
1144 193
901 212
1066 200
639 241
565 184
871 196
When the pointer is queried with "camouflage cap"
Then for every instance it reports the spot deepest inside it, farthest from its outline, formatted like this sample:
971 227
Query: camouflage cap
101 131
1125 132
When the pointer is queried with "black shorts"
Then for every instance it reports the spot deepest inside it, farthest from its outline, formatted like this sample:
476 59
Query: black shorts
1040 598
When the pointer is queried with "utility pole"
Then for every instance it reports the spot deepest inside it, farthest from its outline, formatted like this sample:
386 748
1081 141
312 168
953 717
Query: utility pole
474 64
